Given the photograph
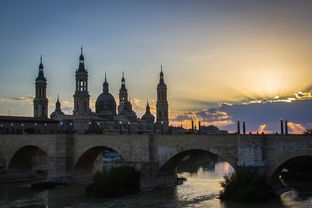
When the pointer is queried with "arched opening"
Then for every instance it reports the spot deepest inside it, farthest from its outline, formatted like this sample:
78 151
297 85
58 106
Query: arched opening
96 159
28 162
196 163
295 173
198 173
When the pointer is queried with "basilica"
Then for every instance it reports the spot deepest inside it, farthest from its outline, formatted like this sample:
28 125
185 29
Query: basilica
108 117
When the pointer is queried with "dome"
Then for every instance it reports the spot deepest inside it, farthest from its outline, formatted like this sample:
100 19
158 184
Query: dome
105 105
148 117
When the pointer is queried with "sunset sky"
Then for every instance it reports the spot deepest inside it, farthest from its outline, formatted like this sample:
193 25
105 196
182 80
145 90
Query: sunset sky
223 60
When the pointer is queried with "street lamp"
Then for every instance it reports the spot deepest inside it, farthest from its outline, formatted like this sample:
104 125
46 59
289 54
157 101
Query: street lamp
120 127
162 127
61 124
45 128
22 128
12 128
71 128
128 127
2 130
36 127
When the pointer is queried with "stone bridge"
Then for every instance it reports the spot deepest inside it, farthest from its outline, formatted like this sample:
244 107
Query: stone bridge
64 157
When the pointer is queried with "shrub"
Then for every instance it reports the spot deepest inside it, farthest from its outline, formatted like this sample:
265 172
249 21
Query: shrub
245 185
116 182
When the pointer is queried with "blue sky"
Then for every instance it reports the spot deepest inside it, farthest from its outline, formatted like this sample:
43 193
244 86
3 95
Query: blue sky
212 51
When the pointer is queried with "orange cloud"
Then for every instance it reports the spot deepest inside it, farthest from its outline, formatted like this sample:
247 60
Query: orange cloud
296 128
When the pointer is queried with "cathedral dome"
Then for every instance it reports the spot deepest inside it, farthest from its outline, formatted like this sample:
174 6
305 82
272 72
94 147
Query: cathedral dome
105 105
148 116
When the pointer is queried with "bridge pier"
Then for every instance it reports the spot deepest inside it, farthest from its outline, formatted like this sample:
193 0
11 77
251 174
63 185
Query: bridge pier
61 161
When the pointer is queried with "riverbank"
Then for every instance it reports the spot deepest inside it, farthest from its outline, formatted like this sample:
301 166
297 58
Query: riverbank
200 190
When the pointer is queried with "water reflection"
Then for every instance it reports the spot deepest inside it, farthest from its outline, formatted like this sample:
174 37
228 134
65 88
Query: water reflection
200 190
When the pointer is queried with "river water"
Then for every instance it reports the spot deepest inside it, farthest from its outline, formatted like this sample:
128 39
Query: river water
199 191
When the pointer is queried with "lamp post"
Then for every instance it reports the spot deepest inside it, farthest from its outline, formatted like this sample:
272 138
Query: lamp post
128 127
238 127
12 128
120 127
192 127
71 128
89 128
282 127
162 127
244 127
45 128
36 127
2 130
61 124
22 128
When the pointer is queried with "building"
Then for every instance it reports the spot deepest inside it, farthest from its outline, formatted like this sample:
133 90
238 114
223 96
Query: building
108 117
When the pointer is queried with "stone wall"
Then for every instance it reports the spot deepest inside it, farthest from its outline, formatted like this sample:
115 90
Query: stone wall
64 151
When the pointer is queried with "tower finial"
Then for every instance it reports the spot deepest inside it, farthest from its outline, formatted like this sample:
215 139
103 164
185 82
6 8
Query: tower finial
123 78
40 65
161 72
81 49
105 77
58 98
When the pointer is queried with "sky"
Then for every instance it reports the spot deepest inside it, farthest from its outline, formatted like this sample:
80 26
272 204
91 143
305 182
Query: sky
223 60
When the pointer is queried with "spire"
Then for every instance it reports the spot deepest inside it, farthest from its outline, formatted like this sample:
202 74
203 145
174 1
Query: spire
58 104
123 77
81 61
161 80
123 82
105 85
81 58
148 110
41 65
40 74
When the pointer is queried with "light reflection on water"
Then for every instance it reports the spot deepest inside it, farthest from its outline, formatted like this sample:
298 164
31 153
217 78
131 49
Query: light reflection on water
200 190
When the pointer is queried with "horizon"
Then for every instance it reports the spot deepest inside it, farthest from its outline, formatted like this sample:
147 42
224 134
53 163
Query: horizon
222 61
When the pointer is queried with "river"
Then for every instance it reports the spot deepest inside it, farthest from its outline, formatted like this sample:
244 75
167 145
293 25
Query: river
199 191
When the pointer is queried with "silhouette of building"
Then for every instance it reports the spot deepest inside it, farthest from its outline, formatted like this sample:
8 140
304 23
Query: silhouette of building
162 103
41 101
83 120
81 96
106 118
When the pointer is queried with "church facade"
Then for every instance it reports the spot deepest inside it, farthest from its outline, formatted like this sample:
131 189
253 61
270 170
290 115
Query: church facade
107 117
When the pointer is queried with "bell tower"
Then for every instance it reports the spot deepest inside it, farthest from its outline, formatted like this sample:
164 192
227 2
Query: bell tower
162 103
41 100
81 96
123 94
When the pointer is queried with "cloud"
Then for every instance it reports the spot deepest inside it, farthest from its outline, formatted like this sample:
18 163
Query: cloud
206 117
28 99
262 115
296 128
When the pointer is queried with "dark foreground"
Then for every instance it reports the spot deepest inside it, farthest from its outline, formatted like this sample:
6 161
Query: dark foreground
201 190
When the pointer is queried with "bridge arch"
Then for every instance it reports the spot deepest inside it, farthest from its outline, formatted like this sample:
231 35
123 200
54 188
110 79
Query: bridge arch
84 165
168 167
28 160
284 163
